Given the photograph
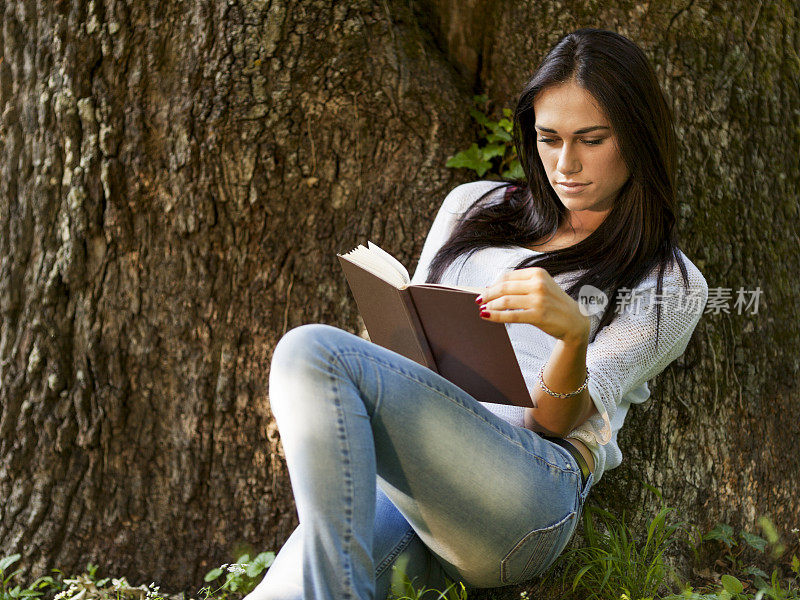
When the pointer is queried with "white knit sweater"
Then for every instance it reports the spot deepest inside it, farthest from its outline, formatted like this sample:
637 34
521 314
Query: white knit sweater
621 359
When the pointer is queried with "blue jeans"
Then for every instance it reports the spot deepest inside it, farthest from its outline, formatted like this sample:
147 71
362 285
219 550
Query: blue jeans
392 465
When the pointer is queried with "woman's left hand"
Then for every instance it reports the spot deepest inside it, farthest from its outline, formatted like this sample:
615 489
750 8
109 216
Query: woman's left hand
532 296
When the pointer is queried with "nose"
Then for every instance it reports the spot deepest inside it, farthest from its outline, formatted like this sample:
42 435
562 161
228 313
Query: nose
568 161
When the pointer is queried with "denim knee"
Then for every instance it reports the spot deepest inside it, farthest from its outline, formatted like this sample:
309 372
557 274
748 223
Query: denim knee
302 354
301 342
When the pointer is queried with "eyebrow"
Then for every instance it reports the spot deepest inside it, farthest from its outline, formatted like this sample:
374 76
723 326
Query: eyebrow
578 132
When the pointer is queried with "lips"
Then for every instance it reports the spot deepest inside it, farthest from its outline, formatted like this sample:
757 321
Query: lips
571 188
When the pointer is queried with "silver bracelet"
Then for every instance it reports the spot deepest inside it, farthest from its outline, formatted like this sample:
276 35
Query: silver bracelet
559 394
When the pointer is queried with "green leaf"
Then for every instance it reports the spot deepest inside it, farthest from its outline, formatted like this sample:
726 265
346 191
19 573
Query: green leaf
506 124
471 158
723 533
754 571
9 577
213 574
498 134
481 118
481 99
508 112
795 564
580 574
654 490
760 582
8 561
261 562
266 558
754 541
493 150
732 585
514 170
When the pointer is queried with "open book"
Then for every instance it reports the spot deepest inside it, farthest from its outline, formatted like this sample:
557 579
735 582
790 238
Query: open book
435 325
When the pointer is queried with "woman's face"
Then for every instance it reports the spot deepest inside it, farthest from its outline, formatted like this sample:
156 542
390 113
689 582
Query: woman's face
577 146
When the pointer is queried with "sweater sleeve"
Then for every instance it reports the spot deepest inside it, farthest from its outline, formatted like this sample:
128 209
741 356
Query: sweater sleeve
455 204
623 355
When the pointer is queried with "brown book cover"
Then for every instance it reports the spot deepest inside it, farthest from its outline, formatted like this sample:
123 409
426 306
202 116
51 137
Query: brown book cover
436 326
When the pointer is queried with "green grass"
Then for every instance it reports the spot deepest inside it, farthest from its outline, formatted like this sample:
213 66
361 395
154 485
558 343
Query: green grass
615 563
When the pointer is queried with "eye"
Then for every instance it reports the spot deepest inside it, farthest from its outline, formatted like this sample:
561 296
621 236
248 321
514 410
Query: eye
546 140
593 142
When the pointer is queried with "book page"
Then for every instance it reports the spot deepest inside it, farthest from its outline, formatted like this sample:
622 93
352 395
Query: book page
464 288
380 263
398 266
375 261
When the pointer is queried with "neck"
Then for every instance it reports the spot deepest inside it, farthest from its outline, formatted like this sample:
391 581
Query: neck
580 224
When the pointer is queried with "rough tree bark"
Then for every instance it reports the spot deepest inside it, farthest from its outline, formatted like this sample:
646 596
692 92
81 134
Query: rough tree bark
176 180
718 435
177 177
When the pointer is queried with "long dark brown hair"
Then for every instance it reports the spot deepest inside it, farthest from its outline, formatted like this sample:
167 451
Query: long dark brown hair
638 234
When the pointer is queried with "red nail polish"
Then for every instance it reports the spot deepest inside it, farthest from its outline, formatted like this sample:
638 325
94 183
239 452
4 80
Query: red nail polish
479 299
483 307
485 313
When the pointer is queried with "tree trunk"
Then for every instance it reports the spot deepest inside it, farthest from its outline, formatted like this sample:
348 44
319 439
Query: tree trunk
176 181
718 436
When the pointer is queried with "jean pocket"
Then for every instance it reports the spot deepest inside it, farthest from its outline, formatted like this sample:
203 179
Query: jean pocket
583 495
536 551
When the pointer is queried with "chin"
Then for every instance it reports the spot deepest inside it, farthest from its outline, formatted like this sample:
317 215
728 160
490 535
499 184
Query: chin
577 203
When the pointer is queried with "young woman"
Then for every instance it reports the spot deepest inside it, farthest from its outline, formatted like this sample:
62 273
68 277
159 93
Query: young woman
393 466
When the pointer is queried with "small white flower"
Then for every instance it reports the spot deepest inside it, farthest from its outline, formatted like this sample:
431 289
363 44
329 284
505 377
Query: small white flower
238 569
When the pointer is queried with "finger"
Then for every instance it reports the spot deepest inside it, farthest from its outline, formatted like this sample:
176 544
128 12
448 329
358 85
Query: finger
508 316
511 302
505 288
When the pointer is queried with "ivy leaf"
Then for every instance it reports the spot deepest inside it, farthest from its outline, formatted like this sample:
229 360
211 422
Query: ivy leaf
470 159
498 134
481 118
514 170
508 112
506 124
481 99
493 150
754 541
